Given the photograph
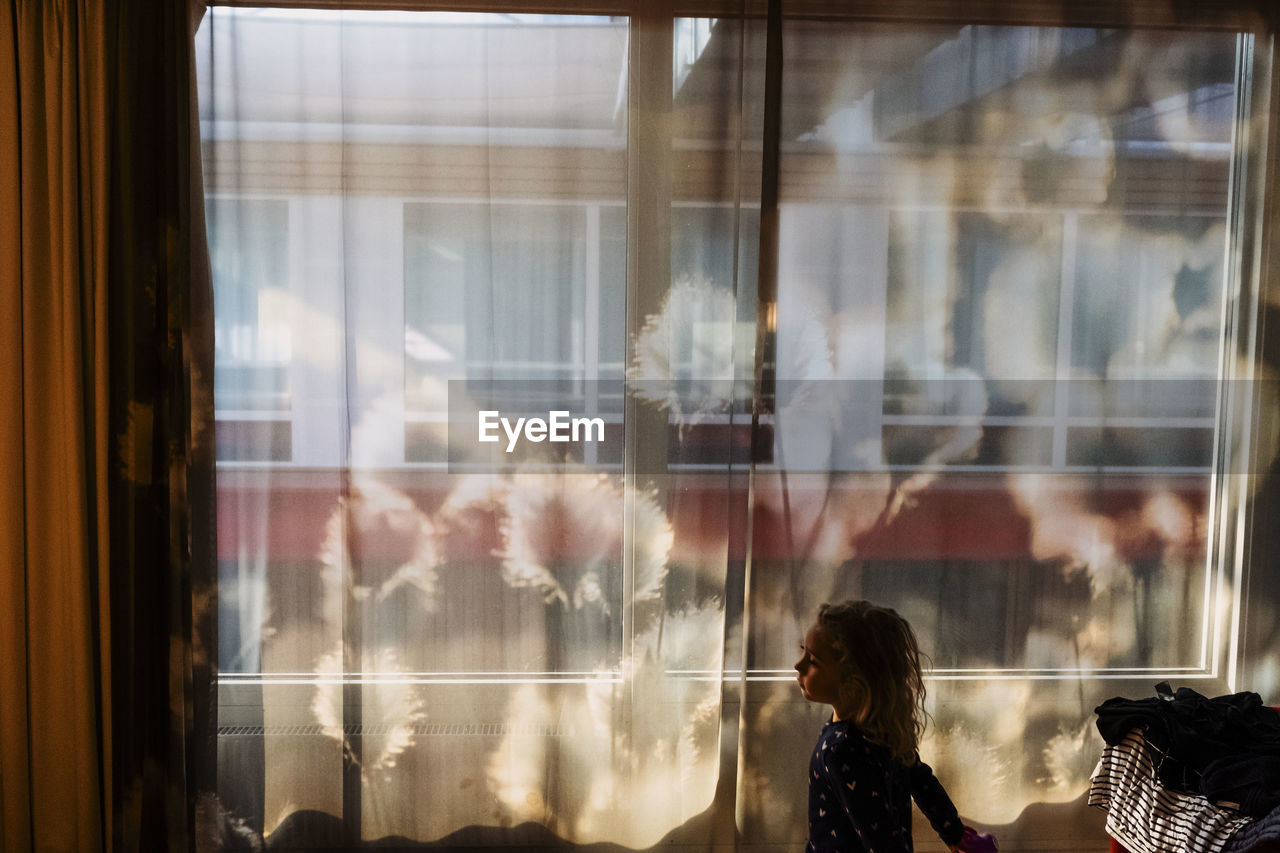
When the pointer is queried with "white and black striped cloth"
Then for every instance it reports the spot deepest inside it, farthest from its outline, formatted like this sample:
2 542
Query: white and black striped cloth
1146 817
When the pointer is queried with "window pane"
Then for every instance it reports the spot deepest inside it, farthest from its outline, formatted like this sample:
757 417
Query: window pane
253 338
492 291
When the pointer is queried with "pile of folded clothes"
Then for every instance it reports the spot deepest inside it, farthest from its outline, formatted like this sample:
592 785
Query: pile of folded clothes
1182 772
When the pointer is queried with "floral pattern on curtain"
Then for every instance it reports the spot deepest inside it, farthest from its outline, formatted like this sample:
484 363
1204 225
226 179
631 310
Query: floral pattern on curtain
162 520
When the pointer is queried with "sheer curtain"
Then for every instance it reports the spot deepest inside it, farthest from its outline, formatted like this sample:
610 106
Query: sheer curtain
1015 245
959 318
415 218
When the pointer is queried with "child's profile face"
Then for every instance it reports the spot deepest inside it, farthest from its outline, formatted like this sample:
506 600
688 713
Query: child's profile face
818 670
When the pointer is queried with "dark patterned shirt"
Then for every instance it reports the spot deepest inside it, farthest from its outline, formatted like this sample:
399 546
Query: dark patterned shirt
860 796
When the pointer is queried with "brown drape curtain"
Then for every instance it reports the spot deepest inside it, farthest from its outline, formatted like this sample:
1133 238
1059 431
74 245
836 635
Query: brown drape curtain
104 292
54 426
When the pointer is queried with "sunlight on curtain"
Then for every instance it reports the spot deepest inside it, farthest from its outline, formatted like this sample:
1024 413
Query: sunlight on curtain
1004 319
998 388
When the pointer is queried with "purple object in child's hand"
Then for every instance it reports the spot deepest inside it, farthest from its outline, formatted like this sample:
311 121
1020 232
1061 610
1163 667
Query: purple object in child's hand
977 842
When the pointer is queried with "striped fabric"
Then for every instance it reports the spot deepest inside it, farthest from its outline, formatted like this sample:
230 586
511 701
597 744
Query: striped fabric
1146 817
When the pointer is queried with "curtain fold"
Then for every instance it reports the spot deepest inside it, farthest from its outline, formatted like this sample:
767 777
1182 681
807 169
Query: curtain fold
103 587
55 239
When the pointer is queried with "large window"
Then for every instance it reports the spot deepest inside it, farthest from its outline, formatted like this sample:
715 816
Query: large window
1001 390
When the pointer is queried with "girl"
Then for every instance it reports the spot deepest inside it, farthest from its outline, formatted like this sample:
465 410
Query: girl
863 661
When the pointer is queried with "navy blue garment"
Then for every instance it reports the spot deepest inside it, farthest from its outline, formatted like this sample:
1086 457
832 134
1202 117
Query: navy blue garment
1226 748
860 796
1249 780
1260 835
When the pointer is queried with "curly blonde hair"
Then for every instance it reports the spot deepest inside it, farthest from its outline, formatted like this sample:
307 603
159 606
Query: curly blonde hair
880 673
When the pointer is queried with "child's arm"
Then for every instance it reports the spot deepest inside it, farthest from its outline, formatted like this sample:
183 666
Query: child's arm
933 801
